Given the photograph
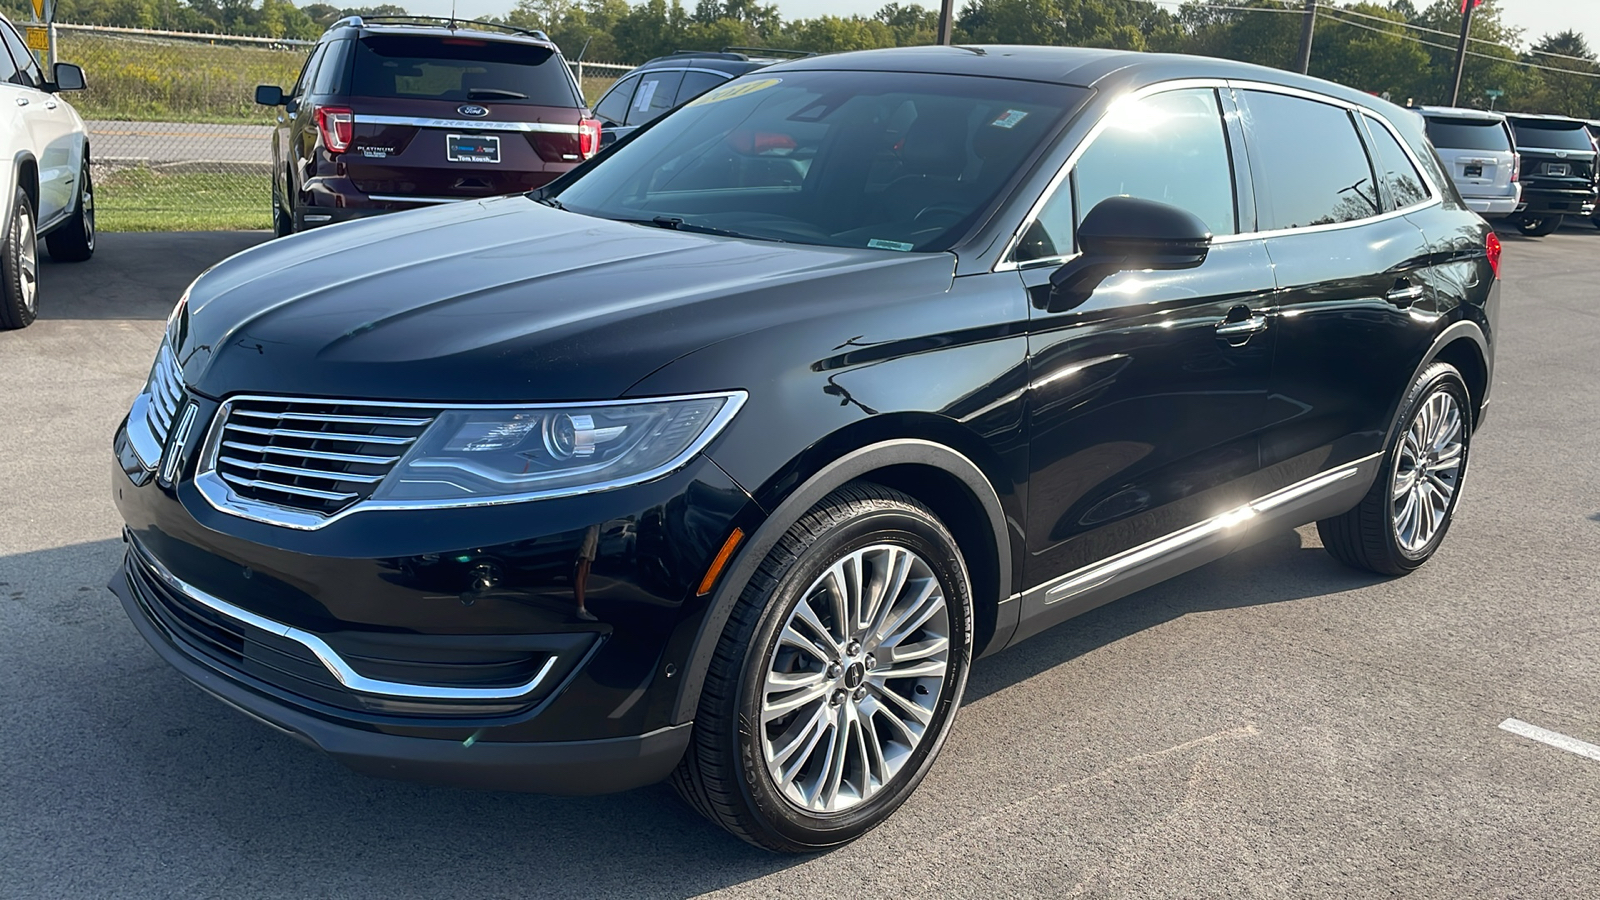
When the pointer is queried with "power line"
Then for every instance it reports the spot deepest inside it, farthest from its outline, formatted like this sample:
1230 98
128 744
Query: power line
1344 11
1490 56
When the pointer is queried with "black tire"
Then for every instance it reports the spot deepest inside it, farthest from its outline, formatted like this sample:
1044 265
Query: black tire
73 240
724 773
1539 225
282 219
19 287
1368 537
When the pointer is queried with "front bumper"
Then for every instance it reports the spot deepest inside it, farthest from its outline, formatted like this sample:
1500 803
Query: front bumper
444 645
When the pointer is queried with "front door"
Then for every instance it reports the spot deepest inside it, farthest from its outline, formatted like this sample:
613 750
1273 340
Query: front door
1146 400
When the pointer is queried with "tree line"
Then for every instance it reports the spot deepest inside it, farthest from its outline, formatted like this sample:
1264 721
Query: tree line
1402 48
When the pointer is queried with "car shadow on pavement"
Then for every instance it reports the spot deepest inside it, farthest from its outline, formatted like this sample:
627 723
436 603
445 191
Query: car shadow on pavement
1278 569
135 275
167 786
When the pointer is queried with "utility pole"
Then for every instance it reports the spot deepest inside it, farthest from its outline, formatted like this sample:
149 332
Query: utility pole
1468 7
1306 32
946 20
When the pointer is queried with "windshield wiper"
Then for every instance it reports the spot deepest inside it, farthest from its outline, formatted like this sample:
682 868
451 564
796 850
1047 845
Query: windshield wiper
677 224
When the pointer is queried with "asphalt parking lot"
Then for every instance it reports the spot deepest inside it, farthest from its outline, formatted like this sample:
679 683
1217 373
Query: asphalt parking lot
1270 725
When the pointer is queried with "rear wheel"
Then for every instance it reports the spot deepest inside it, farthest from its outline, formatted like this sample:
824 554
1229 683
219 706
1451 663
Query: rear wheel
837 676
19 266
282 219
1402 521
1539 225
73 241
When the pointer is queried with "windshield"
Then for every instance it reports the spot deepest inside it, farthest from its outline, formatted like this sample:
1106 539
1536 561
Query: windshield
461 69
1468 134
886 160
1552 135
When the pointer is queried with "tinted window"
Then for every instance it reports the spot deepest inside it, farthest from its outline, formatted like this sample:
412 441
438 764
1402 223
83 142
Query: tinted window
1468 134
1169 148
697 83
458 70
330 74
303 83
27 68
1311 167
8 69
888 160
654 96
1552 135
613 107
1406 185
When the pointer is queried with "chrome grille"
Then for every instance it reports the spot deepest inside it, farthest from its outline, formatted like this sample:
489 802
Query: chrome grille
313 456
155 409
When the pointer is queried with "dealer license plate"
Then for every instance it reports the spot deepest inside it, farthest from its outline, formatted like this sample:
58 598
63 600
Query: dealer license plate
1556 169
472 148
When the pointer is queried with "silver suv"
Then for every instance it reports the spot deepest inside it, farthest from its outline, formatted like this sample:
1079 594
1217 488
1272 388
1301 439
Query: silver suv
1479 153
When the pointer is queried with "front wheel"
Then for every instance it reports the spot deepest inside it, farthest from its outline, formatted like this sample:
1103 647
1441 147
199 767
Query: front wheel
1402 521
1539 225
282 219
19 266
73 241
837 677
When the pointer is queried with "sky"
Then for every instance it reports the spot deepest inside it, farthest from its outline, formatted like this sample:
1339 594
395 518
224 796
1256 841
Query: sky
1535 17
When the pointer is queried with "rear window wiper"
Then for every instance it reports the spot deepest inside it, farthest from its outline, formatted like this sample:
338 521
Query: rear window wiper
494 94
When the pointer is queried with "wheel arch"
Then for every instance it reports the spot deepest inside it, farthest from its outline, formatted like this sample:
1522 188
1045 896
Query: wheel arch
28 179
940 476
1464 346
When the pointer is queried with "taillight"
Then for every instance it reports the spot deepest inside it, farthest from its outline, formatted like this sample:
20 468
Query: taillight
1516 167
588 137
1491 247
338 126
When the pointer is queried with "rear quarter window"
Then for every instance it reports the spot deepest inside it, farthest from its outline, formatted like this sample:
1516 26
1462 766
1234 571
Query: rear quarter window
460 69
1468 134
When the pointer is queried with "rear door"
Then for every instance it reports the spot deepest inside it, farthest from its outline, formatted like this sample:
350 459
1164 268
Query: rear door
1354 303
446 117
1144 417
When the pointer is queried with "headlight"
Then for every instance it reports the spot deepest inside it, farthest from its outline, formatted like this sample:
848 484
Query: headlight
472 454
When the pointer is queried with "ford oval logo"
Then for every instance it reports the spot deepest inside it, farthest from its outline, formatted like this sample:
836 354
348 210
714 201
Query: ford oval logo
477 112
1561 154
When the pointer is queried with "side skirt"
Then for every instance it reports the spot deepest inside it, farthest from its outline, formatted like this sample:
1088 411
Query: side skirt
1327 494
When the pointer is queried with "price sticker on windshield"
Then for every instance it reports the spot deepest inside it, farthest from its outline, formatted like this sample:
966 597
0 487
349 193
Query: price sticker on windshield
730 91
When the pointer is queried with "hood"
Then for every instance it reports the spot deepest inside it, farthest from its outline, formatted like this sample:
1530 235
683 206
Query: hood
506 300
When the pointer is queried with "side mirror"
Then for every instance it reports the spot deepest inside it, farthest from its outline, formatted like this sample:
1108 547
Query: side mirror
1124 234
68 77
269 95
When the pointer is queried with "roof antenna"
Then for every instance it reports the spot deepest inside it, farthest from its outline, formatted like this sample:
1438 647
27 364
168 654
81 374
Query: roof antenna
452 15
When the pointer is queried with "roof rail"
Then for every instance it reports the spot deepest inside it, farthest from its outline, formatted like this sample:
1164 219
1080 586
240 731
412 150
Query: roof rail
441 21
769 51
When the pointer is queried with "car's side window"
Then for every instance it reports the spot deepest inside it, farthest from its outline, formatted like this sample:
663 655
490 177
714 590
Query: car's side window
695 84
654 96
613 107
8 68
1169 147
331 70
1311 167
1406 185
307 74
26 71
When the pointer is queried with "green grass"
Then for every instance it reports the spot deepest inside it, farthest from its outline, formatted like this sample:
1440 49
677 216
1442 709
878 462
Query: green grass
144 200
594 87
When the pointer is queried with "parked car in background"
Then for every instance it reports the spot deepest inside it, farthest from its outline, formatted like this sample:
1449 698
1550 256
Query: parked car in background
684 468
49 192
399 112
1558 171
1477 150
667 82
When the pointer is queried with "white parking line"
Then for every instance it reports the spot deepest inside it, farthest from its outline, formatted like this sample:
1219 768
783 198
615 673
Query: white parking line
1553 738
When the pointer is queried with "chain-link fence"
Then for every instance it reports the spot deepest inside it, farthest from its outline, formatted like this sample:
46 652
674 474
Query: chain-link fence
177 140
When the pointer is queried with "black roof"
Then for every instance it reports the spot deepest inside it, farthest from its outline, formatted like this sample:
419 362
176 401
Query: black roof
1100 69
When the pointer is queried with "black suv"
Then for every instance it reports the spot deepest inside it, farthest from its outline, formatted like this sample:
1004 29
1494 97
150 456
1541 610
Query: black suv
668 82
1558 171
398 112
721 458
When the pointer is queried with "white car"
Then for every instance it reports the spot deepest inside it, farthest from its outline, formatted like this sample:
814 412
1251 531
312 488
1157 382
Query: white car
45 155
1478 151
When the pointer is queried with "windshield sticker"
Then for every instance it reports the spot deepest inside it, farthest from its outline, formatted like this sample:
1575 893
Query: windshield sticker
1011 119
877 244
730 91
646 91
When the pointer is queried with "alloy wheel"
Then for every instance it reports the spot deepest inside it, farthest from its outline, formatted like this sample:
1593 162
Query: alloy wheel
1427 472
853 681
27 259
88 210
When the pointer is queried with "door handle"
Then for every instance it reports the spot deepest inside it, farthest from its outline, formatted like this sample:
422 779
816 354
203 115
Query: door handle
22 101
1243 327
1404 293
49 104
